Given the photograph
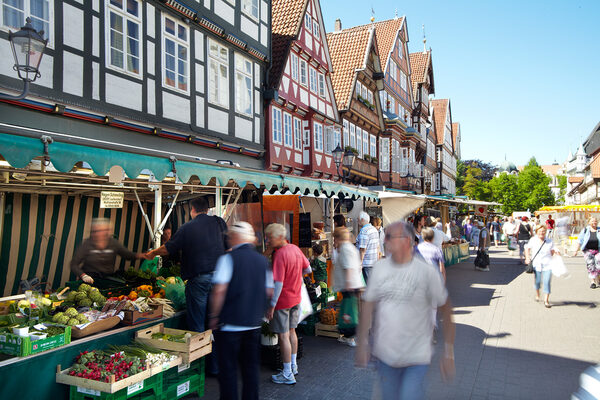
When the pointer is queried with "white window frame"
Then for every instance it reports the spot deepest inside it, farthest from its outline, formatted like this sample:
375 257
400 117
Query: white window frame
303 76
328 139
370 97
400 49
337 138
373 145
318 136
26 12
313 79
294 66
316 29
248 8
403 81
288 130
321 78
353 136
359 143
219 62
277 126
126 16
358 89
297 133
365 138
384 154
346 134
245 75
308 23
178 42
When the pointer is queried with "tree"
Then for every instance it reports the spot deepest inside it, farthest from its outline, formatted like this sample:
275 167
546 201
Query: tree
562 186
505 190
487 170
534 185
474 187
461 172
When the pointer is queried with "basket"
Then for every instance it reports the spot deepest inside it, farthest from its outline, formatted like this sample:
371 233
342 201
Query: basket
328 316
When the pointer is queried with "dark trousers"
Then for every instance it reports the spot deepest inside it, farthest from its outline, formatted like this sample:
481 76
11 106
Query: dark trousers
242 347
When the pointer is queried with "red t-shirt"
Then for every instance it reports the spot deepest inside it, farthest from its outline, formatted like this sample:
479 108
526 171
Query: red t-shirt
288 264
550 224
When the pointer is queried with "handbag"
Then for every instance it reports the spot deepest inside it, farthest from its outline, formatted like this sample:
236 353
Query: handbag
348 317
529 267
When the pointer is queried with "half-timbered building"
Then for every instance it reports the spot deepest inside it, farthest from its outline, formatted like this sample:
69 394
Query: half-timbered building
446 162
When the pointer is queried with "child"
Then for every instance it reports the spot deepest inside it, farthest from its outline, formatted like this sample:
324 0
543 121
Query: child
319 264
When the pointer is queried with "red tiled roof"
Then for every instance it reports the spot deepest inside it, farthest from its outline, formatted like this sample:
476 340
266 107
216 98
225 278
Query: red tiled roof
286 19
440 107
386 32
595 167
575 179
347 49
551 169
455 129
418 67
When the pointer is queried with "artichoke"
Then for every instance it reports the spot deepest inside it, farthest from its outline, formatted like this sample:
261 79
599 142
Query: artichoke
81 318
57 316
71 312
63 320
71 297
85 303
81 296
73 322
84 287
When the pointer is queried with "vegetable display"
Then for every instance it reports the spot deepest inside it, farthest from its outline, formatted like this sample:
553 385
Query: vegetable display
98 365
172 338
86 296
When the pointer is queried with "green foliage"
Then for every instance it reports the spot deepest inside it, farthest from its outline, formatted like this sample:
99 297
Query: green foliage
562 185
474 186
505 190
461 173
535 185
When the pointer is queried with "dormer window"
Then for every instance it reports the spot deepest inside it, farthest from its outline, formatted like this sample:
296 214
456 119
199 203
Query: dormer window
308 22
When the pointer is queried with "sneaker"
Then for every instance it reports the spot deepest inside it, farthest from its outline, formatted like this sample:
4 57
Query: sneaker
280 378
295 369
348 341
593 286
486 269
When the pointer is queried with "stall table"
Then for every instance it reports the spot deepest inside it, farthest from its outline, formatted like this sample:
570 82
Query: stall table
456 253
34 377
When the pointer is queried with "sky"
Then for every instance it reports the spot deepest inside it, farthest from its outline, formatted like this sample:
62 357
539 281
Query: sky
523 77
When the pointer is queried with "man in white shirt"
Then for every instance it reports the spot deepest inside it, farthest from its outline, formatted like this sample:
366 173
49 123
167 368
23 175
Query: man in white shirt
510 230
401 292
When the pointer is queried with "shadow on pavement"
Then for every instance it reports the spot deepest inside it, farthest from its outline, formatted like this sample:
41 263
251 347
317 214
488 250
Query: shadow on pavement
585 304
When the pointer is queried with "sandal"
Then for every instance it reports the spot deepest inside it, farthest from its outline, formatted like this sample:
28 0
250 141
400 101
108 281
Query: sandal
547 305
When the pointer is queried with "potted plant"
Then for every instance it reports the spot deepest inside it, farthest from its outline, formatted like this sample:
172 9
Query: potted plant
352 149
267 338
367 157
374 160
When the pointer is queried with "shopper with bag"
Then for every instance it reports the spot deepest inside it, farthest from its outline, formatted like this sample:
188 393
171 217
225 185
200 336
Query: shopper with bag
542 249
347 279
589 242
509 230
524 233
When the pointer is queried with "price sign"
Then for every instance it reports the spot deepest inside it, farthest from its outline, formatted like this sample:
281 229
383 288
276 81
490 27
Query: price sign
136 387
88 391
183 388
111 199
182 367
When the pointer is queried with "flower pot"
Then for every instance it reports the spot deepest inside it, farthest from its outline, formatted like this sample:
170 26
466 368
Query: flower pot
268 340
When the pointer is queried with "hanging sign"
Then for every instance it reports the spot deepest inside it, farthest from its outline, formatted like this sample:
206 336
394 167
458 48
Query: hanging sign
481 211
111 199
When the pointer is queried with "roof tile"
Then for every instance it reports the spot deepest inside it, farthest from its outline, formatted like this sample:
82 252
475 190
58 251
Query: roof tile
286 19
440 107
418 67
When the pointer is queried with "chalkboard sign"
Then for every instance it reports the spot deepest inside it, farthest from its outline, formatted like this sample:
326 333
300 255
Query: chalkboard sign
305 230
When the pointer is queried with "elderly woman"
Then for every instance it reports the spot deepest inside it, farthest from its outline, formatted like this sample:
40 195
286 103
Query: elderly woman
348 280
589 243
542 249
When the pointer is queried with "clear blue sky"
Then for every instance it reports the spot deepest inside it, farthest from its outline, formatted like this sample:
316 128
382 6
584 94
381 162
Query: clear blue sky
523 77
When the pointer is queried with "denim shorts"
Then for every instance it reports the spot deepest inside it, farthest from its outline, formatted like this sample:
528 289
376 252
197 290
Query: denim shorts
543 277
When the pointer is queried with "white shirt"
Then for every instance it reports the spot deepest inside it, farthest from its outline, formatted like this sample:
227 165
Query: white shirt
542 261
348 258
404 295
509 228
439 237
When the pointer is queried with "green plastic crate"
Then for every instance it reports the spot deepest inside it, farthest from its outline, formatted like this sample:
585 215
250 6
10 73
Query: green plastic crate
24 346
195 367
149 388
184 386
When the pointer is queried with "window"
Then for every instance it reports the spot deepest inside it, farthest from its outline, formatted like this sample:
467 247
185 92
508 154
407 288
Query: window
373 144
297 134
403 80
365 136
400 48
346 134
316 29
287 130
322 85
393 70
370 97
313 80
276 125
395 156
243 85
318 132
250 7
337 138
218 75
303 77
353 136
294 67
176 53
308 22
384 154
124 34
365 92
329 139
14 12
358 89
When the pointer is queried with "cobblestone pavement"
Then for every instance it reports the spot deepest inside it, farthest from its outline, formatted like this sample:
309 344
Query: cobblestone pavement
507 345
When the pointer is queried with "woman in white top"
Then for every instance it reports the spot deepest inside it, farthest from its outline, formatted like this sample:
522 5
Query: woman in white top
540 249
347 278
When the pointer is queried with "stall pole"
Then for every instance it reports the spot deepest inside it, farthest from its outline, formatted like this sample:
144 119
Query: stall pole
331 212
157 215
219 202
2 200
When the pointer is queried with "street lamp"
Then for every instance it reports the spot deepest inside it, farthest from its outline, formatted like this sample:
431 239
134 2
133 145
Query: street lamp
28 47
346 158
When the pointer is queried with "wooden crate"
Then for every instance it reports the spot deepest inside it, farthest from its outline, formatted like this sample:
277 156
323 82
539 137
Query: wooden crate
196 346
326 330
95 327
111 386
158 369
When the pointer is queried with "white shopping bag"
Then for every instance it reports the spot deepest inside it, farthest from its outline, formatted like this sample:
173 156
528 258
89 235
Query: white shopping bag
558 266
305 306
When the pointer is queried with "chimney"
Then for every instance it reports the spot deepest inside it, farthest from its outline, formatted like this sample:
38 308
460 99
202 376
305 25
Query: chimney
338 25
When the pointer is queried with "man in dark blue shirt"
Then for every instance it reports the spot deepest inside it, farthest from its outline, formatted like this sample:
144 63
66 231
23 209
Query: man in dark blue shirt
201 242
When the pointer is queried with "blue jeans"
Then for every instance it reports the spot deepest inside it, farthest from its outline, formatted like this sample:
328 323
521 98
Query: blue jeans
196 299
544 277
406 383
366 271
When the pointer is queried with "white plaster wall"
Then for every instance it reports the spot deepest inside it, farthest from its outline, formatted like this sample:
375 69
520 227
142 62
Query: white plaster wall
151 85
249 27
150 58
176 107
218 120
95 81
199 45
96 5
257 131
73 29
200 78
200 111
264 35
264 15
224 11
95 36
123 92
257 102
46 70
207 4
243 128
304 96
72 74
257 74
150 19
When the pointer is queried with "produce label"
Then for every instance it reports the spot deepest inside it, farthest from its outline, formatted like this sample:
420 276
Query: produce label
88 391
182 367
136 387
183 388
